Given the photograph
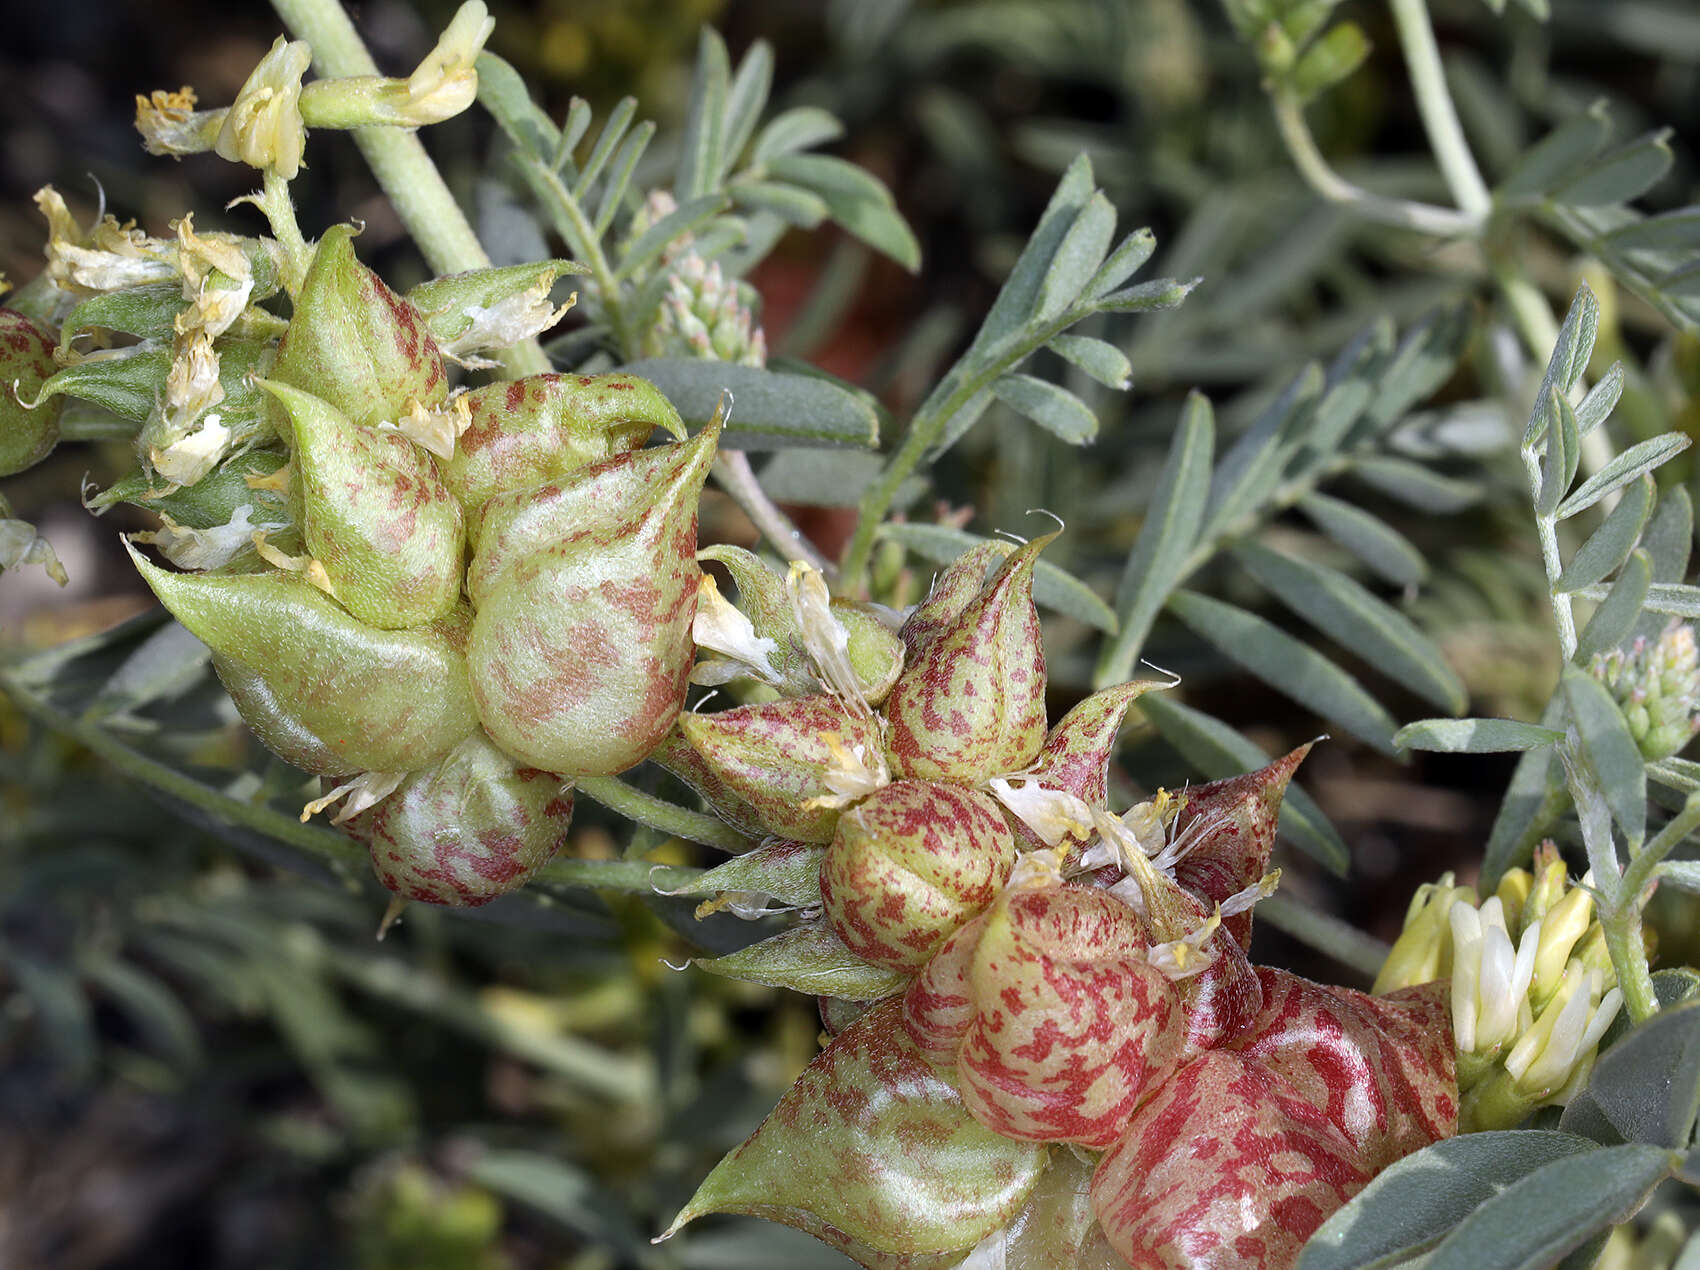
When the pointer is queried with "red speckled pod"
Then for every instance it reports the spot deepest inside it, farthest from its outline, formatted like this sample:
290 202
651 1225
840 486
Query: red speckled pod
467 830
775 759
356 343
971 704
956 587
584 590
26 362
908 865
375 515
1061 1026
528 431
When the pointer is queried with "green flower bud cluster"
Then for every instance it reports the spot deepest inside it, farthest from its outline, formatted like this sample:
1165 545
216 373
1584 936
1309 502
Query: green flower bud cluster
475 598
1657 685
702 312
1532 991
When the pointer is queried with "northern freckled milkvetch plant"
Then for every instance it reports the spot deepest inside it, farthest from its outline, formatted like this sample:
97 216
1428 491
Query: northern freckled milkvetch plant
452 576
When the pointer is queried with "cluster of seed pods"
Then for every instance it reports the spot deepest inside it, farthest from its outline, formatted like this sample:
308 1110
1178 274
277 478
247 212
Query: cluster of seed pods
1076 1064
493 596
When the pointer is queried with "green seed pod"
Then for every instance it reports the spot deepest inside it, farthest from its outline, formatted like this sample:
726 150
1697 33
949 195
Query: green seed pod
874 650
953 590
355 342
971 704
26 363
471 828
542 427
793 763
375 514
910 864
585 589
328 691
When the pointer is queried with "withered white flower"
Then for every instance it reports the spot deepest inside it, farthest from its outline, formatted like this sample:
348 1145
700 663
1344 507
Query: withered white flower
720 627
366 790
433 430
191 548
823 636
218 280
855 772
189 458
170 124
263 127
107 257
506 322
1052 814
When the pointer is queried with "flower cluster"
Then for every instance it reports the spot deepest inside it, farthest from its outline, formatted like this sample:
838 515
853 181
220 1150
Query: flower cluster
1657 685
1062 1055
703 313
1532 985
449 605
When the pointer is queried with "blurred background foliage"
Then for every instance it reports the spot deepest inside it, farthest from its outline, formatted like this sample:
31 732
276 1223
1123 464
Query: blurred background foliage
206 1060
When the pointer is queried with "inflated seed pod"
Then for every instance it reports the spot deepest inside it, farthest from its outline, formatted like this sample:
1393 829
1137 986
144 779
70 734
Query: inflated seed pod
356 343
908 865
328 692
527 431
26 363
584 590
971 703
375 514
468 829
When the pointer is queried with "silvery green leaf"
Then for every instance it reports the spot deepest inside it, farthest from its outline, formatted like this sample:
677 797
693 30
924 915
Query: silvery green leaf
1609 750
689 216
800 128
798 206
1122 263
1146 297
1676 232
1639 458
807 958
1357 620
1053 587
1165 539
1622 175
1219 752
1416 486
744 102
573 128
620 175
855 199
769 410
1078 257
1562 457
1371 539
1287 665
1054 409
1609 546
1329 60
786 871
503 93
1474 736
1416 1202
1648 1083
1424 360
613 131
1569 359
1256 462
1620 607
1601 400
1101 360
1556 157
701 157
1019 297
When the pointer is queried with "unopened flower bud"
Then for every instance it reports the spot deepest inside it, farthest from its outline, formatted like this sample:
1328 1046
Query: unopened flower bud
908 865
322 689
375 514
1565 1033
263 127
467 830
1657 686
446 81
356 343
1423 951
971 705
26 363
1560 930
585 588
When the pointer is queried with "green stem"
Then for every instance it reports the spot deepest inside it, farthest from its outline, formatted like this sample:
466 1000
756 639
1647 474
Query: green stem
1622 927
1425 218
582 239
279 209
399 162
1440 117
733 473
1546 528
614 794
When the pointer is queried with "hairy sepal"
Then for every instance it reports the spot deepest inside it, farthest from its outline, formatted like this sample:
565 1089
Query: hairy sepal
26 363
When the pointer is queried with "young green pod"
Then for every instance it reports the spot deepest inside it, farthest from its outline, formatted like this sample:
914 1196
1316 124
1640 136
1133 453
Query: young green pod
971 704
528 431
908 865
585 589
375 514
471 828
26 363
355 342
329 691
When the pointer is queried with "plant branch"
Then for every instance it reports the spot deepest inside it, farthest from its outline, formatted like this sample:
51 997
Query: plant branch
733 473
1440 117
614 794
581 237
399 162
279 209
1424 218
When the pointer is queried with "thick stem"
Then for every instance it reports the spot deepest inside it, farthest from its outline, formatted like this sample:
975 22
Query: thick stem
1622 927
399 162
279 209
614 794
1440 118
1425 218
733 473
